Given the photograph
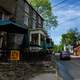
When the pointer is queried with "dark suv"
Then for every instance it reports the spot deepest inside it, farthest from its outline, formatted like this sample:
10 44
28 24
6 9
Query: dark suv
65 55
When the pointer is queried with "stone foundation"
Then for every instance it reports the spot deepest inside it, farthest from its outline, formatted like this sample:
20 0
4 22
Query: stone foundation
23 70
15 71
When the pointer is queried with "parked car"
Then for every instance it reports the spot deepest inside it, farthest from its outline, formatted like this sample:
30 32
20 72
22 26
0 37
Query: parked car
65 55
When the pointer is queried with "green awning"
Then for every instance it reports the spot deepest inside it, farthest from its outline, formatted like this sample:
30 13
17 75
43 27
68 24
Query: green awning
4 22
10 26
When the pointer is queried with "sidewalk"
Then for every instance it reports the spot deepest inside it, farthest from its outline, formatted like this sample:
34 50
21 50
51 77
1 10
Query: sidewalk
25 71
45 76
72 56
44 72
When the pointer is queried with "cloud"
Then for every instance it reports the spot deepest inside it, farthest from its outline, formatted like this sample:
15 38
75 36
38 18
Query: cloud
64 15
68 17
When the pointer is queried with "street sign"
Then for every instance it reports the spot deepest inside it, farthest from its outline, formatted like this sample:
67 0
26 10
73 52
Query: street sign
15 55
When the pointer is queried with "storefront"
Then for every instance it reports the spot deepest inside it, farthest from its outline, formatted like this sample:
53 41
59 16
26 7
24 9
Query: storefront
13 38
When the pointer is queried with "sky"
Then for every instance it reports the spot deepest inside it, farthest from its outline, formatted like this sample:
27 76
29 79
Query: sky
68 16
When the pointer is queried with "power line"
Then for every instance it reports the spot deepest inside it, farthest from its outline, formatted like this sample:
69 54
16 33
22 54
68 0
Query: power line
60 3
78 2
69 20
72 19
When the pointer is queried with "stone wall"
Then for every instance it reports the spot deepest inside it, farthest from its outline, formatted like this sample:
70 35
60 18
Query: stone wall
15 71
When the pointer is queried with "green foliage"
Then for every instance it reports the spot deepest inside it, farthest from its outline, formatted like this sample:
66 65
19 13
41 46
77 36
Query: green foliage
58 48
70 37
44 9
42 6
55 48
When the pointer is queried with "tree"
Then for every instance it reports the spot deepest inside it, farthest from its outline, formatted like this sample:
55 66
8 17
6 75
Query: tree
44 9
58 48
70 37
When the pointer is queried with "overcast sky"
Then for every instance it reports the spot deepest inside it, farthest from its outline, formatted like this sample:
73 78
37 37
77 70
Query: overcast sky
68 13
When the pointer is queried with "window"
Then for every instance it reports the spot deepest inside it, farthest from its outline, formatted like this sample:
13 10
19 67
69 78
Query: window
0 15
34 38
42 23
26 19
34 24
34 15
39 20
26 8
3 39
4 15
19 39
42 40
40 26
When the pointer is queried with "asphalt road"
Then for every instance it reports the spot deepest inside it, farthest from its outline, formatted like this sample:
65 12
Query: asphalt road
69 70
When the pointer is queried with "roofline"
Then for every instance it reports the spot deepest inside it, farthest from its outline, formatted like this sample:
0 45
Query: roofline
11 22
5 10
33 9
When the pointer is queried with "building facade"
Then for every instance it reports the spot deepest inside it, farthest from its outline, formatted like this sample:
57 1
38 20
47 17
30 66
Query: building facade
77 49
20 25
